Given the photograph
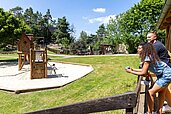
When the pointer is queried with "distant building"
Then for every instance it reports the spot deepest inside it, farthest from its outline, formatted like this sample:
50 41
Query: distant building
106 49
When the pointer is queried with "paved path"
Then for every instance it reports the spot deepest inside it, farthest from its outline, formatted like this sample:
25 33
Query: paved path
19 81
69 56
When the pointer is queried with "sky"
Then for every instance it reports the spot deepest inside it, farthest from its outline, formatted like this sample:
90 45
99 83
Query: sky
84 15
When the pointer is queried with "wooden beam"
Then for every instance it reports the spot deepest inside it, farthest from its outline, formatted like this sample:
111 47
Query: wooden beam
122 101
138 90
168 19
165 24
129 111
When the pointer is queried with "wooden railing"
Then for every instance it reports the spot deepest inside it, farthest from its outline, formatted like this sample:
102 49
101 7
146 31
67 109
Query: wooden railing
128 101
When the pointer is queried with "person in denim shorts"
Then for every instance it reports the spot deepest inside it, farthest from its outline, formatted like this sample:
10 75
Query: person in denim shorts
152 63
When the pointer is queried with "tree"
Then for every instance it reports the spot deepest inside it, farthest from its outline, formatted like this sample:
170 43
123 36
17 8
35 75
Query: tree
91 41
47 23
137 21
28 16
101 35
40 24
62 34
113 36
101 32
17 11
35 21
83 39
11 28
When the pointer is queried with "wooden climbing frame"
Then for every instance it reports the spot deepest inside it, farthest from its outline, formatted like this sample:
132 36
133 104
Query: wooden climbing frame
38 63
24 45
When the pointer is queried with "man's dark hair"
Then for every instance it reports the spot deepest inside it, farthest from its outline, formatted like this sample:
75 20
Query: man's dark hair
154 32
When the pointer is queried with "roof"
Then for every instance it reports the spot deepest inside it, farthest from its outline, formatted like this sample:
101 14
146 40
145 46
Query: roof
29 36
162 23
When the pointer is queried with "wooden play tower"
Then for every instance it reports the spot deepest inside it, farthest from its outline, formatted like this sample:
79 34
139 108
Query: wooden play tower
36 58
24 45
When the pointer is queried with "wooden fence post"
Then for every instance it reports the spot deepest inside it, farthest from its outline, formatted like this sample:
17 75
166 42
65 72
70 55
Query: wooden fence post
129 111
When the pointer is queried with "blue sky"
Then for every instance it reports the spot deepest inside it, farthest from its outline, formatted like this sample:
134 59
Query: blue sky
85 15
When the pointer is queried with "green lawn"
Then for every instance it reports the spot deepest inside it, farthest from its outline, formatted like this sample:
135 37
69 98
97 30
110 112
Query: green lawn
8 56
108 78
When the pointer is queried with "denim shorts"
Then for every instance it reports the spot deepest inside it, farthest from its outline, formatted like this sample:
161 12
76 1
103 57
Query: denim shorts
163 81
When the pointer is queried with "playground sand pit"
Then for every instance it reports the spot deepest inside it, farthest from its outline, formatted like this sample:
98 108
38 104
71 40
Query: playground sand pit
19 81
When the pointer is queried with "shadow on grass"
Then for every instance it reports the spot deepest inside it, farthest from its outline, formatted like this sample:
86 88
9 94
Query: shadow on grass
9 60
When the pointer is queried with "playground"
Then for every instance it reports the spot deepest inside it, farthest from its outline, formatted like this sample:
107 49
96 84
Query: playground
12 79
34 72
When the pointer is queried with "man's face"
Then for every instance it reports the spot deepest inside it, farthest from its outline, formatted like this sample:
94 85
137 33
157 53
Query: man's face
151 37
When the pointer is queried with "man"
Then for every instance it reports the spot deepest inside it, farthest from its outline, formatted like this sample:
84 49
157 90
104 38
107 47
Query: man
160 48
163 55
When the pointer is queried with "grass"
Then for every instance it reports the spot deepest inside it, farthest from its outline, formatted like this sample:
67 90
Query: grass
108 78
8 57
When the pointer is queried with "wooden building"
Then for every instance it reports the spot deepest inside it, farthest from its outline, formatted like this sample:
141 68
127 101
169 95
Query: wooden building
106 49
164 23
24 45
36 58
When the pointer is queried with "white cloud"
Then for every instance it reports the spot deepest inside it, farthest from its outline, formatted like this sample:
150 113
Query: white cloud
99 10
101 20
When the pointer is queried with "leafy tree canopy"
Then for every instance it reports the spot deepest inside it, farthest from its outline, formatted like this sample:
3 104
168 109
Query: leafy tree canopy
11 28
138 20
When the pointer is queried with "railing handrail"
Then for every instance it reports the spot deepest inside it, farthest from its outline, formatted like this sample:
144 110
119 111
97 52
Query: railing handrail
122 101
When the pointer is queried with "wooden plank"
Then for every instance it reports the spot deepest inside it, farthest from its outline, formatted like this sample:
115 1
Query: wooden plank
138 87
142 100
138 90
122 101
145 98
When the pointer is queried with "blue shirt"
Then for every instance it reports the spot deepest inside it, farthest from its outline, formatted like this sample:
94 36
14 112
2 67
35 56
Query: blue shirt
160 68
162 52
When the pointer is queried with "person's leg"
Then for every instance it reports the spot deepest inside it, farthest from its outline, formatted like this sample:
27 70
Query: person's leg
150 98
162 94
168 95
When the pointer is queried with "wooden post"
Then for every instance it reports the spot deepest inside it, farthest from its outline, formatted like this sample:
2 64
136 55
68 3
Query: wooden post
31 63
46 60
146 97
129 111
19 61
